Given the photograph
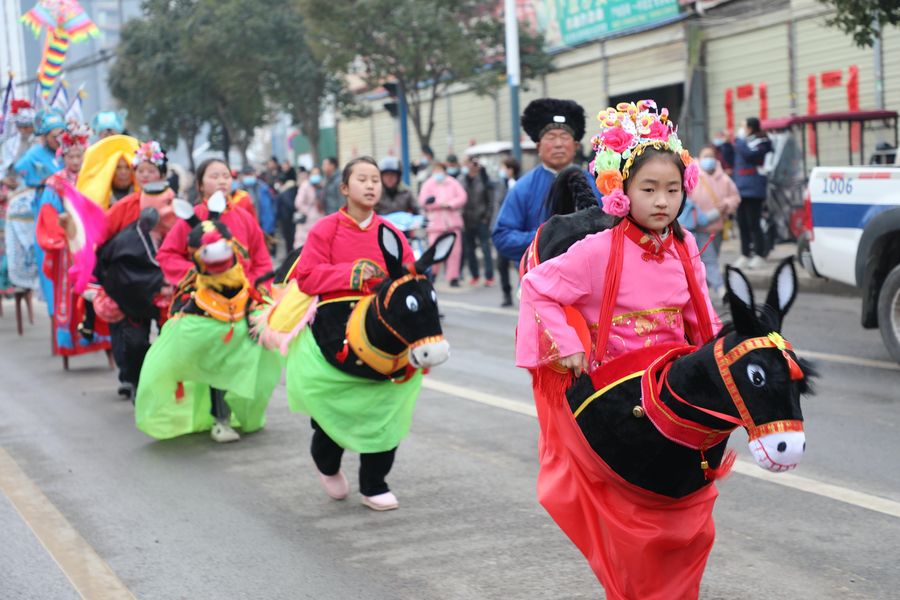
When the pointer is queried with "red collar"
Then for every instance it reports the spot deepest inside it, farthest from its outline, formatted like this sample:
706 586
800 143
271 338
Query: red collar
653 245
346 219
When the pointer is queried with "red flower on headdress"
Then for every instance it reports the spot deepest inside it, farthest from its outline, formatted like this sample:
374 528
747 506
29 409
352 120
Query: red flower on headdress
617 139
16 105
659 131
691 177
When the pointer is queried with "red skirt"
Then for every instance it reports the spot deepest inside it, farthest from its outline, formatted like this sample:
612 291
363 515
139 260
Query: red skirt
641 545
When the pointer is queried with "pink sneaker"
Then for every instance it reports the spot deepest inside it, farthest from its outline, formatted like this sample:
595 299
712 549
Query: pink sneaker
336 486
381 502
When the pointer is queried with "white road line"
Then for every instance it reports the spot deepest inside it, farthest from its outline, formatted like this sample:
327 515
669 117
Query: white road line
742 467
826 356
89 574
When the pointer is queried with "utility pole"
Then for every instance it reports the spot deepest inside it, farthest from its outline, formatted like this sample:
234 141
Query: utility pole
512 71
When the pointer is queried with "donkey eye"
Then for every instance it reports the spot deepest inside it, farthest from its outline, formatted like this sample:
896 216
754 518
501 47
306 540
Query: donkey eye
412 304
756 375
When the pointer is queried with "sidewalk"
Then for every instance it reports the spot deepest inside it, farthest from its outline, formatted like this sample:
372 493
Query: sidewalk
762 278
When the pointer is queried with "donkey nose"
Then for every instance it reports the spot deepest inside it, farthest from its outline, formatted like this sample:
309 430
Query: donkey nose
779 451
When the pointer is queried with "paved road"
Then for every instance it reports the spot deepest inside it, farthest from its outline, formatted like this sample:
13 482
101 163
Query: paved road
190 519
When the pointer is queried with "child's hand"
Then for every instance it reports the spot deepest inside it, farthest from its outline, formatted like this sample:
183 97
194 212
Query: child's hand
577 362
368 272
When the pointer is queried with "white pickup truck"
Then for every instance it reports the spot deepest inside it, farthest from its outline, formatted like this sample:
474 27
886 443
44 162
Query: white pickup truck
854 238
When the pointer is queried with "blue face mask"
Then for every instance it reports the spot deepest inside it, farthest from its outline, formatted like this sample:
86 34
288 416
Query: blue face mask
439 177
453 171
315 179
249 179
708 164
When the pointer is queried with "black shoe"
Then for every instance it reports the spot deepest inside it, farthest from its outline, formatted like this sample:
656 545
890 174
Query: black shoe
507 300
454 283
126 390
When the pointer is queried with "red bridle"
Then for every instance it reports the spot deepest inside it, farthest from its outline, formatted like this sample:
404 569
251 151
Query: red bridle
701 437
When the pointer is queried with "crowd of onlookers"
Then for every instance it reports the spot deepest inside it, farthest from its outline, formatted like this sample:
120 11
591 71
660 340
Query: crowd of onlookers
451 195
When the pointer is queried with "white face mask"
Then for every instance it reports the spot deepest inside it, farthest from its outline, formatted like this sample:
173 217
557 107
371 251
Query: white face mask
742 133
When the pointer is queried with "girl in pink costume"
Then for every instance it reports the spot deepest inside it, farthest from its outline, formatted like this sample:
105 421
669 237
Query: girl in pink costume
622 296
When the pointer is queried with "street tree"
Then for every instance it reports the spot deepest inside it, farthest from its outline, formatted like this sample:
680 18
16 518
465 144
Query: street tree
424 45
863 19
150 51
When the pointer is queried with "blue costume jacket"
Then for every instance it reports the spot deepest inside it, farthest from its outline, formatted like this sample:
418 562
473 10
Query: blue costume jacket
35 166
523 211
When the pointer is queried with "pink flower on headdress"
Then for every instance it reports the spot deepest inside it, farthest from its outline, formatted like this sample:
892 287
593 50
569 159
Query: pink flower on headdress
691 176
616 203
617 139
659 131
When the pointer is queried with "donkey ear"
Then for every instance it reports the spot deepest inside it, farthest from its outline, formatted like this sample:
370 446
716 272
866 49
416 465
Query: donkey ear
437 252
216 204
392 249
783 291
184 211
740 298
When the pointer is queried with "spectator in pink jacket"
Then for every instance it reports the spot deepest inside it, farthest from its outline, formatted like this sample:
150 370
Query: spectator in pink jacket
712 202
442 197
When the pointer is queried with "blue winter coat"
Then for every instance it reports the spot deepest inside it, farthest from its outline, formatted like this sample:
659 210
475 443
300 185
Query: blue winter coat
749 154
523 210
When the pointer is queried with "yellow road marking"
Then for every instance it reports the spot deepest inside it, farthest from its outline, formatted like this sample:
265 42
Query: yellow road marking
89 574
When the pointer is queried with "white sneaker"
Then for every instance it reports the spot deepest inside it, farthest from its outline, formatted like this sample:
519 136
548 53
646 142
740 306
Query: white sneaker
223 433
757 262
381 502
741 263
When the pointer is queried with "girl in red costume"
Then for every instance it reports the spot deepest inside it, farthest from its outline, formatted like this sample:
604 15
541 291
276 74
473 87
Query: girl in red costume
340 261
634 286
213 176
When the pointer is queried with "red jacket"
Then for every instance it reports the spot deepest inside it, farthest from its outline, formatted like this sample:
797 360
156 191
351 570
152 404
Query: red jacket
123 213
336 253
175 261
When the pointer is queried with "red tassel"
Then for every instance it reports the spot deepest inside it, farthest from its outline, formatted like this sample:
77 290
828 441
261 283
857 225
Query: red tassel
551 384
796 373
230 334
724 468
179 391
255 295
344 353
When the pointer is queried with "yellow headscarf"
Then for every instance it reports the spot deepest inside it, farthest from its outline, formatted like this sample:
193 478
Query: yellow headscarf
99 167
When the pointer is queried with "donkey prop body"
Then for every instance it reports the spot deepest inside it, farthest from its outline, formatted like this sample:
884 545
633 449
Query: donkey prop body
204 354
364 355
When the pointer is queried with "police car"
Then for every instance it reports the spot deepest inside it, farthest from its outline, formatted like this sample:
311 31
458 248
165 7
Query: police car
853 236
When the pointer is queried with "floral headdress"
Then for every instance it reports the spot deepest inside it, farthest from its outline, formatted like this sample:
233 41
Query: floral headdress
75 134
628 130
150 152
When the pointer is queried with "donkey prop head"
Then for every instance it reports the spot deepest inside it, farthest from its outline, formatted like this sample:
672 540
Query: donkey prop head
401 319
673 442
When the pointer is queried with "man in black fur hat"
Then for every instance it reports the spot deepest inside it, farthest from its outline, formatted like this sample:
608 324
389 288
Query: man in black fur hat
556 126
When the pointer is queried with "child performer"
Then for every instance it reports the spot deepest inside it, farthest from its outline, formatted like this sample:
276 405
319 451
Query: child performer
636 285
342 260
174 258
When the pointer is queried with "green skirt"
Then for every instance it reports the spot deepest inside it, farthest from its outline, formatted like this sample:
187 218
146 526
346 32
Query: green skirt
190 350
359 414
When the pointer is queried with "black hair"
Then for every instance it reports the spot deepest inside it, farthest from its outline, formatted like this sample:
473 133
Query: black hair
201 170
753 125
348 168
333 160
511 163
649 153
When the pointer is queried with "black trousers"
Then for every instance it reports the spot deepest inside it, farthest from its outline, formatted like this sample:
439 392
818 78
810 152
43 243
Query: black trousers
117 342
219 409
134 339
749 215
472 237
503 265
373 468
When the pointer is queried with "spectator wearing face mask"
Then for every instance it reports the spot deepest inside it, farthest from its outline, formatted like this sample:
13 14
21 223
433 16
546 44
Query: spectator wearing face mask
713 200
443 199
307 206
261 195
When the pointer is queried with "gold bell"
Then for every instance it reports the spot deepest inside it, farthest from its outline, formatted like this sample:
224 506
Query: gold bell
638 412
704 464
359 363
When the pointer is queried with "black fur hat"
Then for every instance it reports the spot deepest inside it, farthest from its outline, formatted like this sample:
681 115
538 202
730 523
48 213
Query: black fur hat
544 114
